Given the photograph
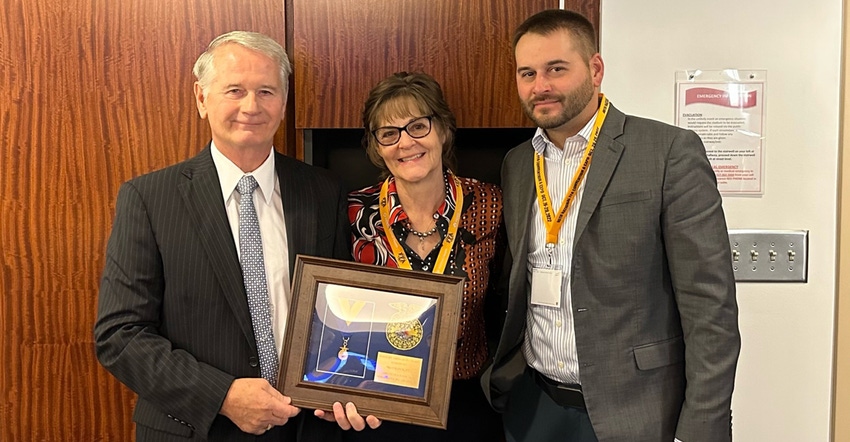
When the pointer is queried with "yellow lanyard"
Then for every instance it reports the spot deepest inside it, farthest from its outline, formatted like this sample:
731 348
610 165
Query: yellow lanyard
552 221
448 241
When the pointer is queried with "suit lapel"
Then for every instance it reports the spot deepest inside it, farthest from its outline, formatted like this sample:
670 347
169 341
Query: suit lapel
518 203
201 192
299 209
520 198
605 158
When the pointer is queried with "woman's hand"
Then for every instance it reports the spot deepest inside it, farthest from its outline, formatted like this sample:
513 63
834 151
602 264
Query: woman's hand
347 417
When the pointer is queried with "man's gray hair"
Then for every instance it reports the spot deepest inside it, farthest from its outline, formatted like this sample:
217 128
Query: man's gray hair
204 69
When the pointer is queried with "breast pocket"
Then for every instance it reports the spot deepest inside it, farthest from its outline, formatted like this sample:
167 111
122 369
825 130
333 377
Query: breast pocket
622 228
622 198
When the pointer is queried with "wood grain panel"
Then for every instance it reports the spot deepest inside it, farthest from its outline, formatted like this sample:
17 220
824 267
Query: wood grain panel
343 47
94 93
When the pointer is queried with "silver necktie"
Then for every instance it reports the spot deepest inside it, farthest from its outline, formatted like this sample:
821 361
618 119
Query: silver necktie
254 274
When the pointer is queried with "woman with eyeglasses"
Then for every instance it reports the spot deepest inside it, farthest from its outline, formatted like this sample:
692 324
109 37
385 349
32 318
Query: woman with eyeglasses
434 221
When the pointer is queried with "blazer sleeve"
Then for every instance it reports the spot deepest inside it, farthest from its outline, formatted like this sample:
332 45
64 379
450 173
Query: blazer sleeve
697 246
128 342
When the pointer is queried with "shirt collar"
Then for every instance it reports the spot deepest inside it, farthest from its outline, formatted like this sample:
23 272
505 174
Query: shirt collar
229 175
446 209
540 141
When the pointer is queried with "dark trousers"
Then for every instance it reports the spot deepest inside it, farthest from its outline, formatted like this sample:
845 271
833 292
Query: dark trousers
532 416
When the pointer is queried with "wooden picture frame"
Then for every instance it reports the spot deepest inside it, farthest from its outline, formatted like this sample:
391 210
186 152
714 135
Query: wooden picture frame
382 338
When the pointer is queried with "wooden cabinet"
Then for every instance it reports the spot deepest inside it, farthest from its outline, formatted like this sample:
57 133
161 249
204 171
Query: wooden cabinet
341 48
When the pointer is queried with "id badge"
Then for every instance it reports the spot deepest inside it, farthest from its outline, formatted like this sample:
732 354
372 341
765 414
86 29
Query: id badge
546 287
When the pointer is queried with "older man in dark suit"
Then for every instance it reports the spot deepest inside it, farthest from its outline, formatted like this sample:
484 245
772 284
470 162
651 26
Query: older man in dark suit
195 292
621 313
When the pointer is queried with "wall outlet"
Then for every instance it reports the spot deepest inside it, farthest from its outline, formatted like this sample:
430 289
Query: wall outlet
769 255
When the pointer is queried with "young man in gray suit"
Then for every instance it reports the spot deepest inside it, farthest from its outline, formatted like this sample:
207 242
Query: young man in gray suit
621 314
195 292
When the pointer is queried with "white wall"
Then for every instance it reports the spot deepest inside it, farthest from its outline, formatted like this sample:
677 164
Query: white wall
783 387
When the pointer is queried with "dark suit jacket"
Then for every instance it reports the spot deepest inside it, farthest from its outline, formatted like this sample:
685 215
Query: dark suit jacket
653 293
173 321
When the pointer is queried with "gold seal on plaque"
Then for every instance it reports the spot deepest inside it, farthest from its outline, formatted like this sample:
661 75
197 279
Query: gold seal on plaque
404 335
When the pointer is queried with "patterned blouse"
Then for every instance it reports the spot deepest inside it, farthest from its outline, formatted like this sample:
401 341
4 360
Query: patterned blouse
472 256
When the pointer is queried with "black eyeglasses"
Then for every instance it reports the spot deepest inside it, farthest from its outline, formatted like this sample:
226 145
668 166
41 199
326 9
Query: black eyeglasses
389 135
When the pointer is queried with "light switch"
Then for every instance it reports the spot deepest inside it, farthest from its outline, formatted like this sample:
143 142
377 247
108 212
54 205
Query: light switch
786 254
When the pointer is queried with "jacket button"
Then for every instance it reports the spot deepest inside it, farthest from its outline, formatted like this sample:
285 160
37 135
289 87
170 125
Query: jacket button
253 361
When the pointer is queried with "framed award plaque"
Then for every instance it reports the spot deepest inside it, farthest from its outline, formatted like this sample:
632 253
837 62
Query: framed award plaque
382 338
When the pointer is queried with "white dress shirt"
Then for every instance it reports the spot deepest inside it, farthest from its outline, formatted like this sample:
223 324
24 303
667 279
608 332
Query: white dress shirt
549 345
269 206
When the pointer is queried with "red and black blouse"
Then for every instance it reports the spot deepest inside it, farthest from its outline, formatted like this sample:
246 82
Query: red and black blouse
472 256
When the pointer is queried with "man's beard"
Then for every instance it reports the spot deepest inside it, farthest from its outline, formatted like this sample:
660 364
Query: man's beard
573 104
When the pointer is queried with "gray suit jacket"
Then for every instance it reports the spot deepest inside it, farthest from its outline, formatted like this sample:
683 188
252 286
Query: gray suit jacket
173 321
653 293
